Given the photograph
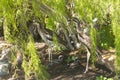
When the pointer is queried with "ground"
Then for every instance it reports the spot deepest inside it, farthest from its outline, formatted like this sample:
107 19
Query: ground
68 71
77 72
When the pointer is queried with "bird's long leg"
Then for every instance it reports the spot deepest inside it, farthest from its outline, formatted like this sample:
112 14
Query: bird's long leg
88 58
50 54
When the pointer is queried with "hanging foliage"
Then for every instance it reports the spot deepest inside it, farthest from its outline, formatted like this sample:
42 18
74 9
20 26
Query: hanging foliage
61 21
116 30
16 16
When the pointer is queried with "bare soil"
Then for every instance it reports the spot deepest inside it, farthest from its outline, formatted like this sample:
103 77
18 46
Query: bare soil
77 72
63 71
